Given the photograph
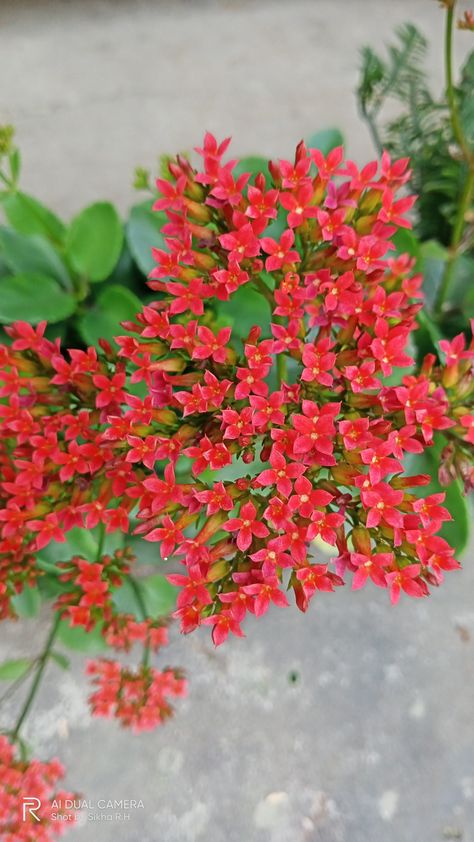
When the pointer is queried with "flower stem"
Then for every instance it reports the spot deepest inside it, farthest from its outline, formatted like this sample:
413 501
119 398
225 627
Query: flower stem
468 155
100 542
281 368
141 604
456 238
264 290
42 661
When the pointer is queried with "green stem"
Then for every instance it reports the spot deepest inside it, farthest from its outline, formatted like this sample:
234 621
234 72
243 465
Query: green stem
141 604
265 291
100 542
465 201
281 369
456 238
372 126
42 661
450 91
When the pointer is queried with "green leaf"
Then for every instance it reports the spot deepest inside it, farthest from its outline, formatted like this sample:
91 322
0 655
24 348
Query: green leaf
115 304
125 599
27 603
79 541
245 308
159 595
325 140
14 159
94 241
80 640
427 336
28 216
12 670
455 531
143 232
34 298
48 567
434 258
25 254
406 243
61 660
252 164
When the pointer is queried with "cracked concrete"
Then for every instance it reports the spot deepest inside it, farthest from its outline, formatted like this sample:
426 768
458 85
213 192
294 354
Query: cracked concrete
354 722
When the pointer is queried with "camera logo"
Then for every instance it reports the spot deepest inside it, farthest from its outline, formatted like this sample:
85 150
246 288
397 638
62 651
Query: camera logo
29 806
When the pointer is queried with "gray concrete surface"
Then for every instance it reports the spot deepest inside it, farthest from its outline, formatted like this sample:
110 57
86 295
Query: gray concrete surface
374 742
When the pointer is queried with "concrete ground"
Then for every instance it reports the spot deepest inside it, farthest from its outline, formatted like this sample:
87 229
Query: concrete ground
352 723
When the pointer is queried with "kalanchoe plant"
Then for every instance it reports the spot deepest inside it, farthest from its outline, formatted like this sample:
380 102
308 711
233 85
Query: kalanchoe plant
239 451
266 399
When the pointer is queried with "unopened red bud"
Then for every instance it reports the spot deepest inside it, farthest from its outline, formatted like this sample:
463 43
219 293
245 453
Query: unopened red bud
204 261
410 482
265 454
107 349
343 474
345 334
428 363
450 376
370 200
248 456
218 570
361 540
361 401
301 151
365 224
465 386
275 173
212 526
198 211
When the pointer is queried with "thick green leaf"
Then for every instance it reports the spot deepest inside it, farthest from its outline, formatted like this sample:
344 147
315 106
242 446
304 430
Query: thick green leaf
34 298
28 216
115 304
253 164
455 531
159 595
433 256
25 254
406 243
125 599
78 542
245 308
427 336
94 241
143 232
27 603
12 670
80 640
325 140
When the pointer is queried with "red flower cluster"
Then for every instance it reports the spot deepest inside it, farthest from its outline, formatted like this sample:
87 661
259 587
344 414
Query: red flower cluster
138 699
122 631
89 599
25 780
252 467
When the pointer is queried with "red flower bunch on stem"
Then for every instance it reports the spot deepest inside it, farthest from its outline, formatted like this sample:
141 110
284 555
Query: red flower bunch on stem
236 453
22 779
